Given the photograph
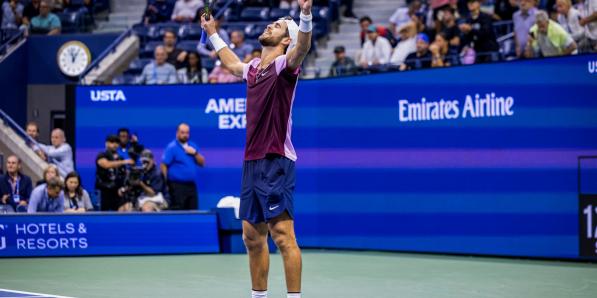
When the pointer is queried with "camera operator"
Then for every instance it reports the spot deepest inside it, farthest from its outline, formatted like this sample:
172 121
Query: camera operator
110 175
144 186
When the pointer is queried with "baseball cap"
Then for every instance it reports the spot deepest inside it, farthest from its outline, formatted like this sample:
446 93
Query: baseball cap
423 37
146 155
339 49
372 28
112 139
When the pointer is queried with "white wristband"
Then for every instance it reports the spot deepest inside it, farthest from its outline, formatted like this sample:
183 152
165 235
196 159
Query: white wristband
217 42
306 23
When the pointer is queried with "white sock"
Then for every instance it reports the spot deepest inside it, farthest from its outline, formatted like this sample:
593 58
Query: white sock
258 294
293 295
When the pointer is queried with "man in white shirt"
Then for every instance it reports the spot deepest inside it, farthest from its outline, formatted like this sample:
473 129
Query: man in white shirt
376 50
403 15
185 10
569 18
407 44
59 153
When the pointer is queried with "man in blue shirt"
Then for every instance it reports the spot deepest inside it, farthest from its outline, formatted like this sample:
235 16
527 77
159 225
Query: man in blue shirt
46 22
179 165
15 188
47 197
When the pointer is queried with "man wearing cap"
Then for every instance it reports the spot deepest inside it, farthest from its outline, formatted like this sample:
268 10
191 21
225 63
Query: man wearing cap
376 50
110 174
145 187
422 57
267 203
407 44
343 66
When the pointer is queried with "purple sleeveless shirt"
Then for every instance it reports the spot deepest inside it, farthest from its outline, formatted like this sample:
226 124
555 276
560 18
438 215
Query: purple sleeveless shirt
270 95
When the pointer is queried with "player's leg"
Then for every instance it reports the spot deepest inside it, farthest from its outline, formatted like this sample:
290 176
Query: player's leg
255 238
282 230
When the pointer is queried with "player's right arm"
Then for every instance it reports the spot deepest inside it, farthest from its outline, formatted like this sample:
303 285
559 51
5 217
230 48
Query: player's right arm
226 55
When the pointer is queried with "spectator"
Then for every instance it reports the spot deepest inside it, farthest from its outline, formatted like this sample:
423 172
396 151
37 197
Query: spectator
12 14
129 147
76 199
348 13
15 187
523 19
158 11
159 71
478 32
377 49
548 38
407 44
343 66
256 53
403 15
193 73
439 51
185 10
504 9
46 22
110 174
288 4
590 22
50 172
176 56
47 197
366 24
146 191
32 130
31 10
59 153
422 57
569 18
238 46
449 28
207 50
221 74
179 166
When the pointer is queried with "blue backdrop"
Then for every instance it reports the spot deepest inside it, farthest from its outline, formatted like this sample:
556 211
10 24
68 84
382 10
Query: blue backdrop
479 159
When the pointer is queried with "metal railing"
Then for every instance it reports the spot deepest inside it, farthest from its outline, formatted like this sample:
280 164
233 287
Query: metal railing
17 129
5 42
109 50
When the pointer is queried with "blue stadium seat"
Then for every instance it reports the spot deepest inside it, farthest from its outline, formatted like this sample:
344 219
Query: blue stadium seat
162 28
255 14
320 13
254 42
231 15
124 80
188 45
208 63
229 27
190 32
254 31
148 49
137 65
277 13
70 21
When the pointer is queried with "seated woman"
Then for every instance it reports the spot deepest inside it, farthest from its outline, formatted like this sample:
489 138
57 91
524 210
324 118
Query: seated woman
50 171
76 199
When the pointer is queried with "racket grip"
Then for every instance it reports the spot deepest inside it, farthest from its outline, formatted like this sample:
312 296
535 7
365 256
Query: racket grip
203 37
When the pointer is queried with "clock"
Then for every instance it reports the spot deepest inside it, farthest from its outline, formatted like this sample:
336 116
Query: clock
73 58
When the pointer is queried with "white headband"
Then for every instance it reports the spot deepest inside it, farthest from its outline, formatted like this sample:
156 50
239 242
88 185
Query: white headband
293 30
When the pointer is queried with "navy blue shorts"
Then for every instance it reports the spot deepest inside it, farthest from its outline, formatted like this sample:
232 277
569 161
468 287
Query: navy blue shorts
267 189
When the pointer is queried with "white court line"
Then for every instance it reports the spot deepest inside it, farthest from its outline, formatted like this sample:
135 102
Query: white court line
32 293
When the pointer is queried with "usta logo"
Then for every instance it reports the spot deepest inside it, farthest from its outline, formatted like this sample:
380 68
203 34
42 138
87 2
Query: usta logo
107 95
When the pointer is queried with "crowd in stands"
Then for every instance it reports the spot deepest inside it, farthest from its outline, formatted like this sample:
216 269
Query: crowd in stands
46 16
127 177
442 33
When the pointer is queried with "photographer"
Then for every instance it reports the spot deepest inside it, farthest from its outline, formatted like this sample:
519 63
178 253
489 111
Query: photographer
129 145
110 175
144 187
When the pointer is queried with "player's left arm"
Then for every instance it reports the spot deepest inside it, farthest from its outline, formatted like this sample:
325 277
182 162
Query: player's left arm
295 56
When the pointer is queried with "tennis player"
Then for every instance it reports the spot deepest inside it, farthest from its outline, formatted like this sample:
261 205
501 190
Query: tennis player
268 171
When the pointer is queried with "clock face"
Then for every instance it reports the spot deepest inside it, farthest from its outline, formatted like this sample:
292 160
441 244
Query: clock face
73 58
